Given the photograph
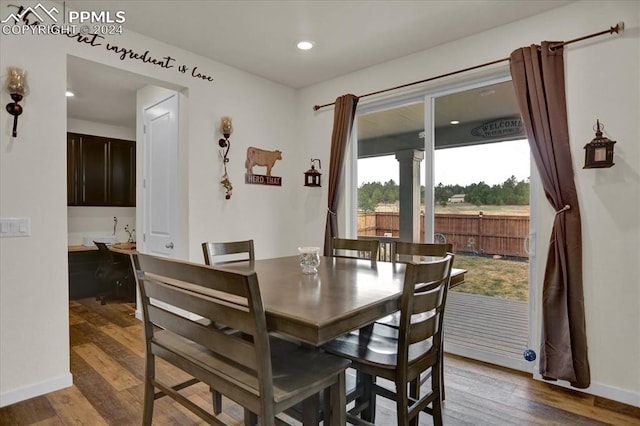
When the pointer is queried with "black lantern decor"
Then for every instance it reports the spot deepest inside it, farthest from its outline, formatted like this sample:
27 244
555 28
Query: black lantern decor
312 176
599 152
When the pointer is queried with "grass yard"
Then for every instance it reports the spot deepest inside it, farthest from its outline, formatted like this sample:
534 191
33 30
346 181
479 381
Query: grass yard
466 208
508 279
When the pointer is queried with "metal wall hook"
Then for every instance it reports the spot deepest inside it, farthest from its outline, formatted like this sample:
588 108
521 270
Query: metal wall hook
225 143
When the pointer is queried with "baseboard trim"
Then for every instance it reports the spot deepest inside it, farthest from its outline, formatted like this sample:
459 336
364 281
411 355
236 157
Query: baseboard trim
613 393
598 389
31 391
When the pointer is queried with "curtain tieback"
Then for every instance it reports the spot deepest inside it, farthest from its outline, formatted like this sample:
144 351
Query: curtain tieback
564 209
330 212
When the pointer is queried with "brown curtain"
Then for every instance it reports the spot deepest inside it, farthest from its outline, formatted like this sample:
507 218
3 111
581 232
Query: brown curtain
538 79
344 112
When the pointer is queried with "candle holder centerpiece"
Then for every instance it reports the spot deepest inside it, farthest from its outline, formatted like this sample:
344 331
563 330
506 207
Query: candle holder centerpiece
309 259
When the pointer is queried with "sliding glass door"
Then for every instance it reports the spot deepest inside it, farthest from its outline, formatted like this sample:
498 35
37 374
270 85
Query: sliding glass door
454 166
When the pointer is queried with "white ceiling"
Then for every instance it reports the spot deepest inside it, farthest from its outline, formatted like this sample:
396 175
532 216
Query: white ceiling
260 37
104 94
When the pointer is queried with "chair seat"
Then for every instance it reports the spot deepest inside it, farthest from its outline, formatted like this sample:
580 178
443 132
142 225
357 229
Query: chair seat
292 365
375 345
393 320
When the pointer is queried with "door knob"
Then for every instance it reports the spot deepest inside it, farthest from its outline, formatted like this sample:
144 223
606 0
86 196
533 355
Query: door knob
169 246
529 355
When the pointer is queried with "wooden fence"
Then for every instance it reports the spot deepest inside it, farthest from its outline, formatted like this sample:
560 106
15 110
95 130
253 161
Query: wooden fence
473 234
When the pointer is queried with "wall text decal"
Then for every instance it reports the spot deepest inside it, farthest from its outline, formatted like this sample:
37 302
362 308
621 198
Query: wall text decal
124 53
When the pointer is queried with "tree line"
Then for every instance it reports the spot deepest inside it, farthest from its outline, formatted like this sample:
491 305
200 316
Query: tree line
510 192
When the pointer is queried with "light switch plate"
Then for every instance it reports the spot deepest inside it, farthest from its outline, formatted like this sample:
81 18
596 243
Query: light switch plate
15 227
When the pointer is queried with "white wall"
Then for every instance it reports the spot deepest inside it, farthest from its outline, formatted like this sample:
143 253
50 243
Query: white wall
34 329
86 127
98 221
602 82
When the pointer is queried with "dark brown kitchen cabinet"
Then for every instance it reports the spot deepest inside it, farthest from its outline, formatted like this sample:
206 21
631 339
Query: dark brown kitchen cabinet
73 142
121 172
83 281
100 171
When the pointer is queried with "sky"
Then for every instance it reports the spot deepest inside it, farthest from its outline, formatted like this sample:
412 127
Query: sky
492 163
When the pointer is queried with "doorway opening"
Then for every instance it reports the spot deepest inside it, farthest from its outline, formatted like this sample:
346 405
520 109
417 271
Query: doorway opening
106 104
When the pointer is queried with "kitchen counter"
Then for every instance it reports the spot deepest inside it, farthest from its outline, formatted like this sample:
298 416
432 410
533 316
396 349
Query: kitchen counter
124 248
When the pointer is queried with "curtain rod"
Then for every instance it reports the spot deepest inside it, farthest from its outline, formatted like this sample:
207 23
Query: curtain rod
619 27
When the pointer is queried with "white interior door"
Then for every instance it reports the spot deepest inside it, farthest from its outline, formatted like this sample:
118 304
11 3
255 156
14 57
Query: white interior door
161 177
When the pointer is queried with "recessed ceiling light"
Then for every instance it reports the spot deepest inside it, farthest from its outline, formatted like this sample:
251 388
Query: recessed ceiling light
305 45
69 94
454 122
487 92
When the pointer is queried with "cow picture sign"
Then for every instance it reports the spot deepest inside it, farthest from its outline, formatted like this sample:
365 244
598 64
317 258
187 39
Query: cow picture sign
262 158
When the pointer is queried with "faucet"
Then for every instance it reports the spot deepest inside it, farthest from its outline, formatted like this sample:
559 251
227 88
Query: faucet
115 225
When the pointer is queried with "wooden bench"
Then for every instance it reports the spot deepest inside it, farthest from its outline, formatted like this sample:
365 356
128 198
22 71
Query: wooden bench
263 374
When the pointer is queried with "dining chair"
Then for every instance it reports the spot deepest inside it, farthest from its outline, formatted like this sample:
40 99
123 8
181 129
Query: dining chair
401 355
359 249
400 252
263 374
219 254
226 252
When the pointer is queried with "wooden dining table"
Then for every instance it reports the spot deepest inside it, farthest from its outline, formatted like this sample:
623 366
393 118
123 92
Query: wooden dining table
344 295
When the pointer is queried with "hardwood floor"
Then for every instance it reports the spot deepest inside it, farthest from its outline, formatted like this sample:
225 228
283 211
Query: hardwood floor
107 363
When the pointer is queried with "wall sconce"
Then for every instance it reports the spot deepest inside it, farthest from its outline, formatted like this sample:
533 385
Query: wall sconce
17 88
312 176
599 152
226 128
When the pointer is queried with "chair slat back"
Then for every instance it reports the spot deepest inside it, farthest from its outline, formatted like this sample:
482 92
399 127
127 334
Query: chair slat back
231 311
430 303
227 252
221 297
186 273
400 248
358 249
231 347
425 292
